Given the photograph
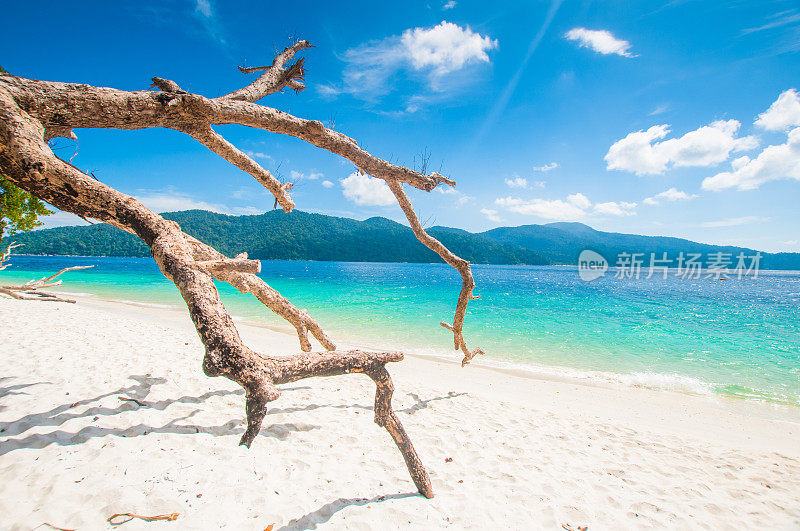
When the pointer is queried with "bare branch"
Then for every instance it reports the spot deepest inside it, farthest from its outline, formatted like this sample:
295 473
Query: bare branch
31 287
461 265
237 265
216 143
6 256
275 77
30 108
167 85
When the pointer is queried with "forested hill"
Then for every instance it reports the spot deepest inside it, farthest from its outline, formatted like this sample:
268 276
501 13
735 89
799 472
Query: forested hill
303 236
280 236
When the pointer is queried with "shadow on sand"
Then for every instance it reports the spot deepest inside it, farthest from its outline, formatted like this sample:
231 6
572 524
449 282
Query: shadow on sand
324 513
132 397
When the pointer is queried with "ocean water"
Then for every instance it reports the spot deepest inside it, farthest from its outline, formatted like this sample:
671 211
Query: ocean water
738 338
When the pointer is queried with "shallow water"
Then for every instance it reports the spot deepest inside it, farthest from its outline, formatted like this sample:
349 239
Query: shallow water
740 337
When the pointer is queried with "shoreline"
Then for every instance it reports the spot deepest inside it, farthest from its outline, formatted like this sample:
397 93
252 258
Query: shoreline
516 372
657 382
503 449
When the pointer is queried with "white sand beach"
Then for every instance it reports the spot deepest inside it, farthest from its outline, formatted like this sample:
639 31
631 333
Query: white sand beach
504 449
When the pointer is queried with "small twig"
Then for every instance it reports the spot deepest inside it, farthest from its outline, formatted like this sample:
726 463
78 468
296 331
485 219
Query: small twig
168 517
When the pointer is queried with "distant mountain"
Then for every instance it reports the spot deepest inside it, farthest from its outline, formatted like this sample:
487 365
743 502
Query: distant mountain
303 236
561 243
280 236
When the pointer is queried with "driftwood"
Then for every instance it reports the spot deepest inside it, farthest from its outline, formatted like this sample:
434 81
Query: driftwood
33 112
30 290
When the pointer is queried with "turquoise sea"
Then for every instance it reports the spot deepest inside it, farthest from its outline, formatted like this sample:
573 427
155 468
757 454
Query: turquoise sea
740 337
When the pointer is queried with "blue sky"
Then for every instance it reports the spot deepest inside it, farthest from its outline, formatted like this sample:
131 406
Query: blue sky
672 118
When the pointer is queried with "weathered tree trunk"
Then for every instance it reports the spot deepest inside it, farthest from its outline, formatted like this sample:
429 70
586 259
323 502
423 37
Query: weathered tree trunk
32 112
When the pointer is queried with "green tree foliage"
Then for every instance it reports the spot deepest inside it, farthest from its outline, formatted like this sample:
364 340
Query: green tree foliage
19 210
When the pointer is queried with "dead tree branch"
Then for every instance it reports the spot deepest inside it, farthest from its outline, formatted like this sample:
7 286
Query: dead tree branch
30 290
32 111
461 265
6 256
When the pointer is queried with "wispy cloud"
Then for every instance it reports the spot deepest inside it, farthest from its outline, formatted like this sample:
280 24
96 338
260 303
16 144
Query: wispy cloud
547 167
601 41
449 5
616 208
517 182
298 176
61 219
673 194
257 155
434 53
204 11
660 109
491 215
502 101
777 20
173 200
574 207
734 222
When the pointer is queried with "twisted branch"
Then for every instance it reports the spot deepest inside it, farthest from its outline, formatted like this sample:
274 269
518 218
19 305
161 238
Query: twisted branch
4 258
31 288
461 265
32 110
275 77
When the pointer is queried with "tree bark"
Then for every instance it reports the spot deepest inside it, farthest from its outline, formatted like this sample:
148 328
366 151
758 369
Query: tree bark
33 111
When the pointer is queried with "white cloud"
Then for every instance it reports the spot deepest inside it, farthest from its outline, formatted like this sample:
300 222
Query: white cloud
327 184
256 155
297 176
613 208
773 163
579 200
734 222
58 219
367 191
661 109
203 7
491 215
547 167
172 200
449 5
673 194
204 12
433 52
573 208
783 114
641 152
601 41
446 47
517 182
460 198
